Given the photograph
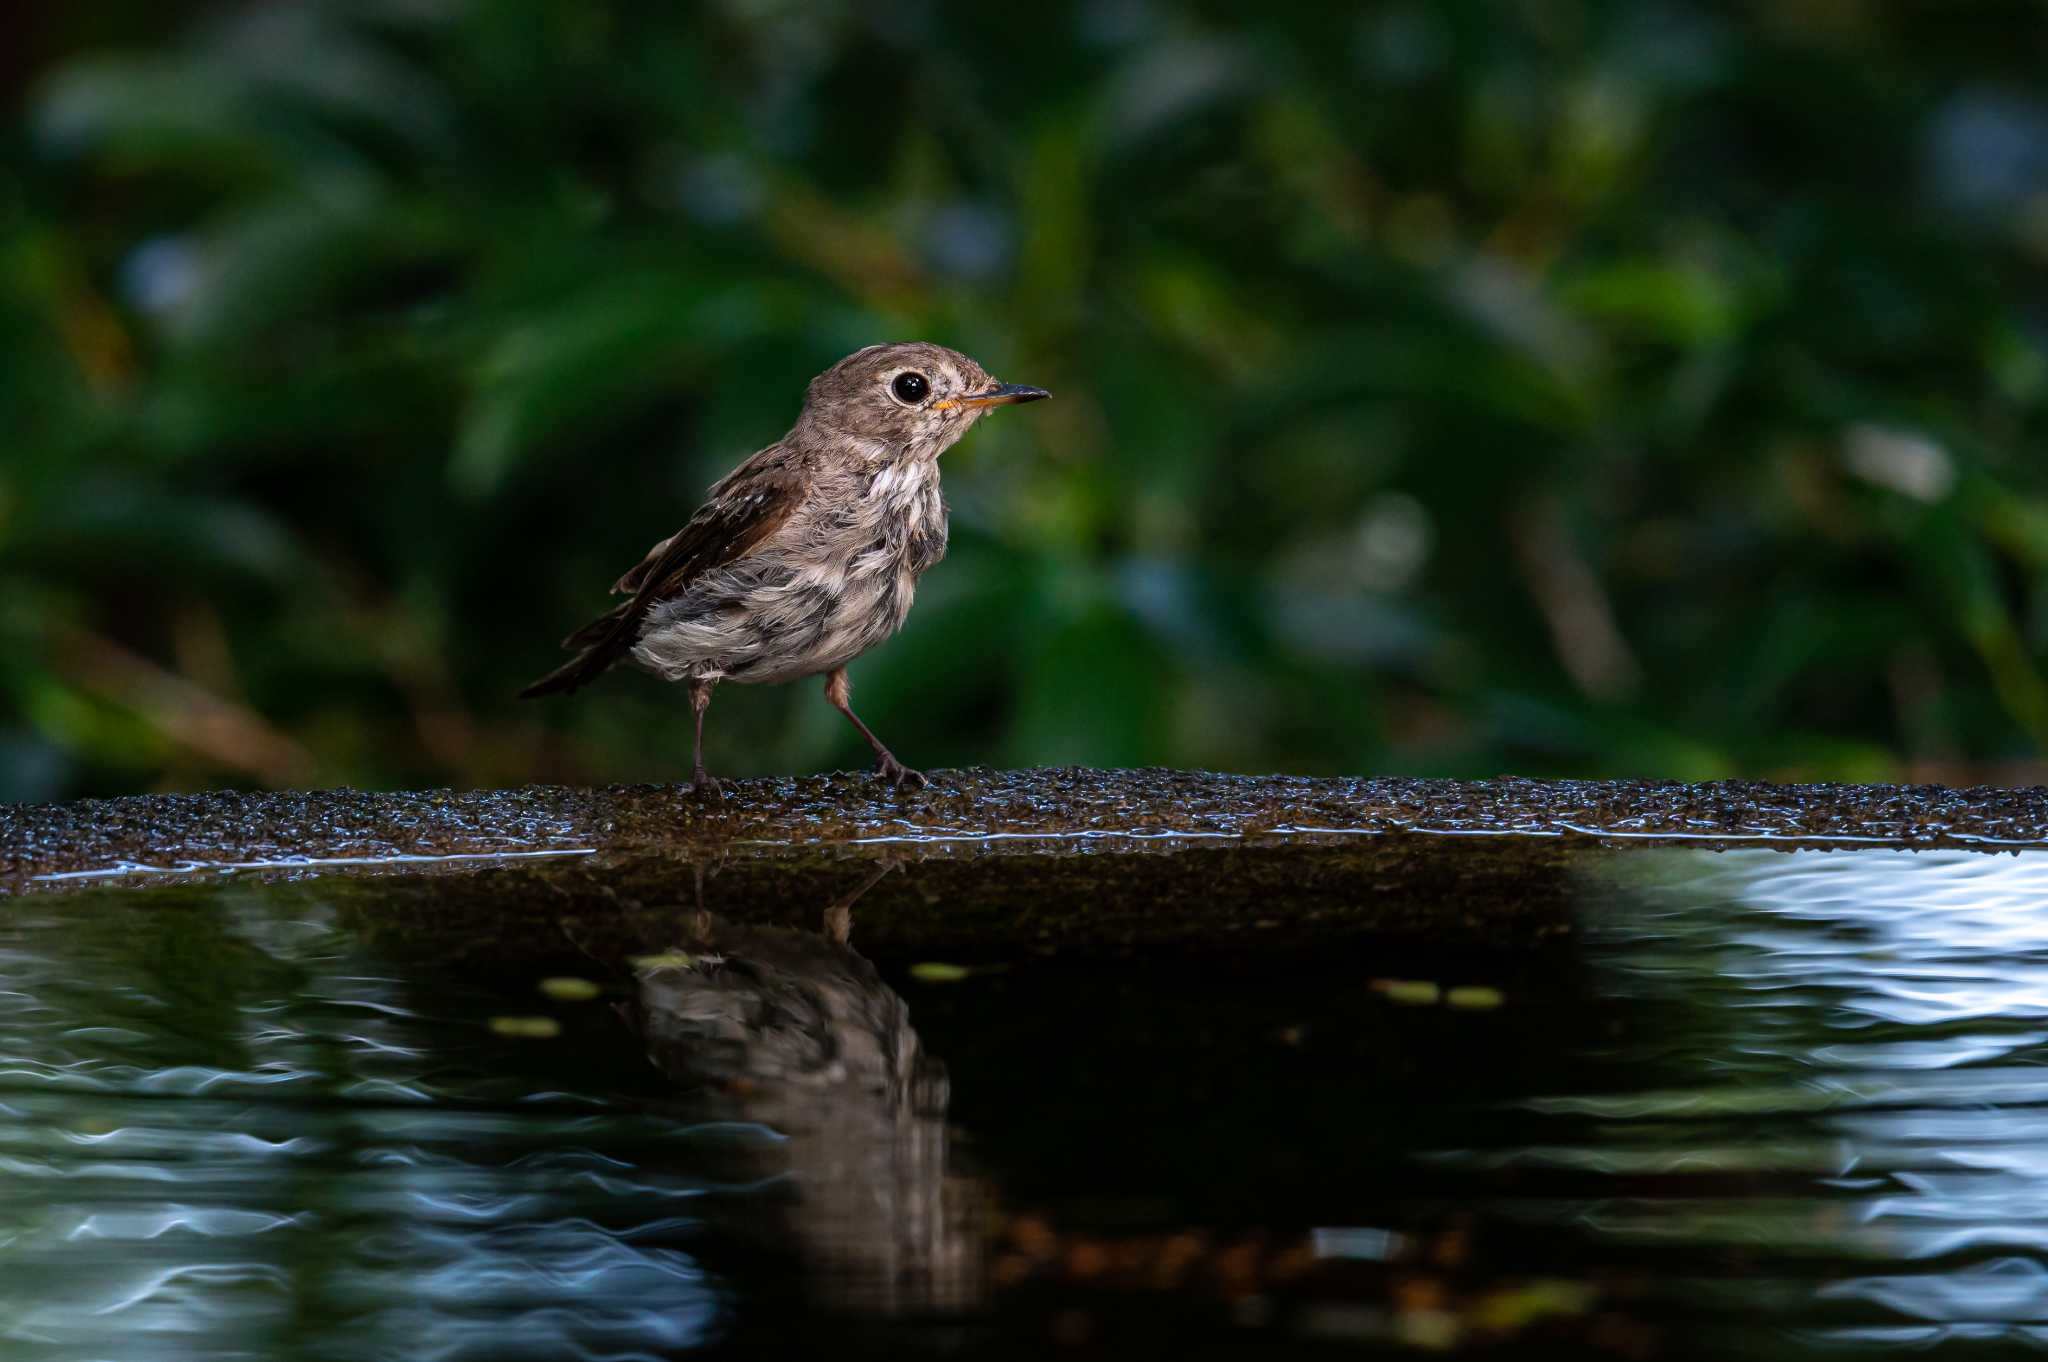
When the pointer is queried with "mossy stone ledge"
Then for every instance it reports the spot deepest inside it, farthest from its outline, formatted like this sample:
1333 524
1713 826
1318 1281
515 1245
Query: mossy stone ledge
991 862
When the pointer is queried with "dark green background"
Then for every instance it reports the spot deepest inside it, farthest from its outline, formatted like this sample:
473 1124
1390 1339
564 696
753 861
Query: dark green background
1559 387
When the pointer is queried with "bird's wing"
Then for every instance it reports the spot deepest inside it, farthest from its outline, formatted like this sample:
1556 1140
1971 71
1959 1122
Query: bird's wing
745 508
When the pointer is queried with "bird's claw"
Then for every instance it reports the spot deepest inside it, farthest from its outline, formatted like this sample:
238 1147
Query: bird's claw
706 784
898 775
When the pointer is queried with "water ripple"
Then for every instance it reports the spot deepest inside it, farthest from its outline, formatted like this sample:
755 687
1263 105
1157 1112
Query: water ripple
230 1131
1852 1048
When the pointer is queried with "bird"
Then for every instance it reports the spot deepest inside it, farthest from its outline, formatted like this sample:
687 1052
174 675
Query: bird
809 553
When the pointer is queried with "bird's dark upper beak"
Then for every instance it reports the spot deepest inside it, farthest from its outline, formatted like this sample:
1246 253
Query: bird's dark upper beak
1001 395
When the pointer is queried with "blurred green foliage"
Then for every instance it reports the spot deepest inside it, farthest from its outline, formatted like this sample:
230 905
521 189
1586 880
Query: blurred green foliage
1538 385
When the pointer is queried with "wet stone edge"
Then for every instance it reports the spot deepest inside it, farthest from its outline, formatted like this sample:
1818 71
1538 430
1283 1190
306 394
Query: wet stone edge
1064 858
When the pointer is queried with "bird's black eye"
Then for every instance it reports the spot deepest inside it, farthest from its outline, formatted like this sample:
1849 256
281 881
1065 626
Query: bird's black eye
910 388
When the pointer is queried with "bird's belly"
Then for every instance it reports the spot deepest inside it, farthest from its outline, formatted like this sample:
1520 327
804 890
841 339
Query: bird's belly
783 629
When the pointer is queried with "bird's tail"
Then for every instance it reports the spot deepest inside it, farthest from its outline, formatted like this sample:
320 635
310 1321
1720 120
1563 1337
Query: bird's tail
599 645
567 677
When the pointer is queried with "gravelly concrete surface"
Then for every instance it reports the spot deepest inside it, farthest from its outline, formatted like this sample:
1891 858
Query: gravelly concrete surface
990 862
1036 810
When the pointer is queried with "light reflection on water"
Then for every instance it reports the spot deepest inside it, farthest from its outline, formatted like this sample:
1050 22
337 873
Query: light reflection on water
326 1167
1845 1084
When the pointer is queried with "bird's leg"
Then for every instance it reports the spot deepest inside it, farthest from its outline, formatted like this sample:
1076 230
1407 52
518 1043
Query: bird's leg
839 912
700 779
837 691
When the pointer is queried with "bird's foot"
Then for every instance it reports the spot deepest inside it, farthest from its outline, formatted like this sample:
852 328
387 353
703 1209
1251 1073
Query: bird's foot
839 923
706 785
897 774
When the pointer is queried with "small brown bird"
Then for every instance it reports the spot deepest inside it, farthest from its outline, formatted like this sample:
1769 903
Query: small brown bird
808 554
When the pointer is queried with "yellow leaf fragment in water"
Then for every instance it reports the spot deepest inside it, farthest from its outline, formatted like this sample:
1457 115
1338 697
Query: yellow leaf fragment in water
527 1028
1408 992
1475 997
663 960
933 972
1517 1307
570 990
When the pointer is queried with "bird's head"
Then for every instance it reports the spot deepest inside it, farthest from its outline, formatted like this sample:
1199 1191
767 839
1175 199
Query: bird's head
911 397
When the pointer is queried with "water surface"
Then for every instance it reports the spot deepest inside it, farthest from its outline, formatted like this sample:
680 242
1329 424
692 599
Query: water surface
1774 1104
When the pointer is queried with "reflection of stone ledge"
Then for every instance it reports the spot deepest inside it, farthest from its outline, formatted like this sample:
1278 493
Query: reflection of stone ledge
1061 858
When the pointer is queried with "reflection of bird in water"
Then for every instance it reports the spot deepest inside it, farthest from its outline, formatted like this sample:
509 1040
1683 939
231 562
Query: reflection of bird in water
797 1031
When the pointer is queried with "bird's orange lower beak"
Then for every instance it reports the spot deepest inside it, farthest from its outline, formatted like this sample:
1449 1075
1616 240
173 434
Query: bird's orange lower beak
1002 395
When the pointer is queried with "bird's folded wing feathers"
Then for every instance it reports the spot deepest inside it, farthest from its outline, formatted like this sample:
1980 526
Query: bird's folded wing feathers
745 508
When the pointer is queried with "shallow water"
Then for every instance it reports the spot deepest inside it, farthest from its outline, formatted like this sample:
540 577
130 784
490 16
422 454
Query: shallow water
1775 1104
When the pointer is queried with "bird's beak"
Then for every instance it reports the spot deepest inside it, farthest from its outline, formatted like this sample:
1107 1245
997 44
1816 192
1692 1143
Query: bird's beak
1002 395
